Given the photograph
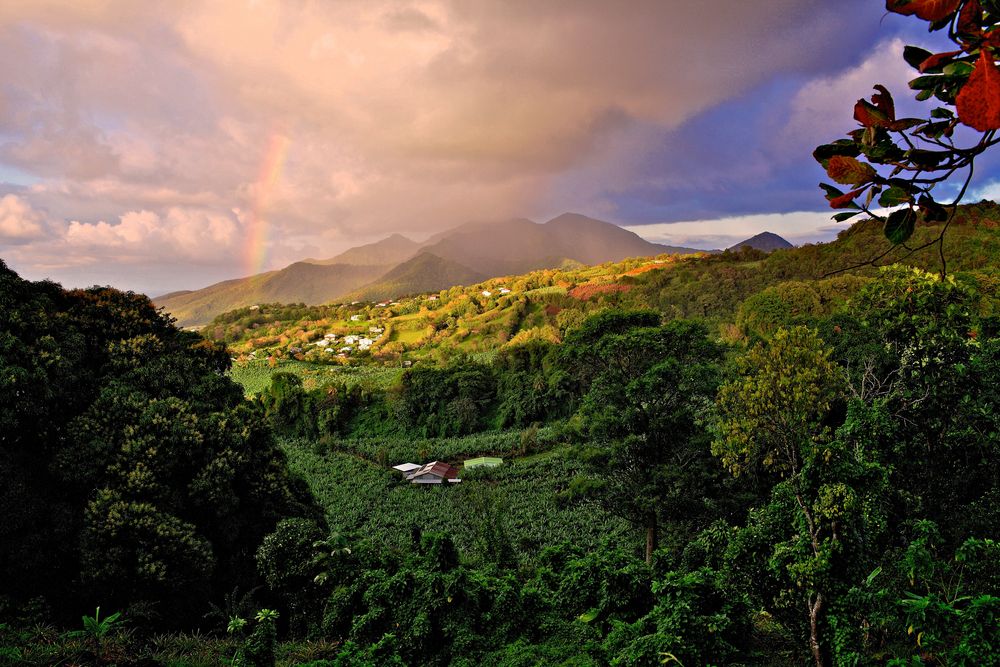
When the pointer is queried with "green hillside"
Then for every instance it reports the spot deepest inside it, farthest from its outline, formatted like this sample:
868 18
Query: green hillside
737 293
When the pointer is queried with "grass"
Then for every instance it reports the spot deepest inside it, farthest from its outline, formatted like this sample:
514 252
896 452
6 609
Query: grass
255 376
408 336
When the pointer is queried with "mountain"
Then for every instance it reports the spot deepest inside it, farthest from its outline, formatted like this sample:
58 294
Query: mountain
387 252
765 241
424 273
595 241
499 248
511 247
519 245
299 282
396 265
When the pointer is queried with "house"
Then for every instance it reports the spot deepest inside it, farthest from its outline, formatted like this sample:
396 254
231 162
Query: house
435 472
351 340
254 307
322 343
345 350
365 343
375 330
504 290
406 468
487 293
483 462
355 318
330 336
432 297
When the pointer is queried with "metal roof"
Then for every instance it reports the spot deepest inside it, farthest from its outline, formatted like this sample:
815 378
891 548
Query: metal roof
435 468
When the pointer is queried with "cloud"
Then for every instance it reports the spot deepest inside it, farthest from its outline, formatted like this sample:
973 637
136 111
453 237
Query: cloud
19 222
823 109
182 234
989 190
399 115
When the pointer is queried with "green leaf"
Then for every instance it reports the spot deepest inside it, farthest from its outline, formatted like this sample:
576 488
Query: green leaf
899 226
590 616
928 82
894 196
840 147
846 215
958 68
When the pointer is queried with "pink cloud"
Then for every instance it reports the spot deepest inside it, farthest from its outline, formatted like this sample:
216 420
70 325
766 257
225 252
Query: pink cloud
182 234
19 222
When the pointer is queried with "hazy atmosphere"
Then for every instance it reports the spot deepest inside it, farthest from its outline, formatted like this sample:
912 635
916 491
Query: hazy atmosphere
168 146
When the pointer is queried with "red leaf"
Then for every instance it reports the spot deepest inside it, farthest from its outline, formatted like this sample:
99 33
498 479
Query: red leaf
928 10
869 115
883 102
978 102
844 200
938 59
969 18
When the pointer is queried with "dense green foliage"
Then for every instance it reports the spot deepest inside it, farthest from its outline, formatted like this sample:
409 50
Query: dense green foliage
136 476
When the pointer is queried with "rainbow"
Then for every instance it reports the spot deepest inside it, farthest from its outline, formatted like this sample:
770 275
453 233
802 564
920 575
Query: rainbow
267 178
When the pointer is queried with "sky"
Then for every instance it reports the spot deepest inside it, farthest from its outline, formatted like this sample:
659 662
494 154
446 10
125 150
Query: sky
164 146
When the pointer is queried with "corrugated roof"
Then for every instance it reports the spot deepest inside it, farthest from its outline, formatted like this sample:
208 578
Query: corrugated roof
436 468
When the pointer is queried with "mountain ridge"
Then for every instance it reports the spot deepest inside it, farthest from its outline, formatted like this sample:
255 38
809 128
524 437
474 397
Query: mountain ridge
470 252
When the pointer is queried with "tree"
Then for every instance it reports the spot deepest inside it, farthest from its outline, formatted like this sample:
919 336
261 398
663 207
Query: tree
906 161
645 404
139 475
774 418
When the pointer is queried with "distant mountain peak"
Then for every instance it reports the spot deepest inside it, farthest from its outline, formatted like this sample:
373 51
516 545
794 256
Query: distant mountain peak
765 241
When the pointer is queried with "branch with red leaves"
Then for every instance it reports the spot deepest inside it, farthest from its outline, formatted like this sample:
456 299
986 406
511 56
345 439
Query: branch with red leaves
899 162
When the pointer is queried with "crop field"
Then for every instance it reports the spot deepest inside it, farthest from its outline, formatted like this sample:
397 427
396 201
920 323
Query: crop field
373 503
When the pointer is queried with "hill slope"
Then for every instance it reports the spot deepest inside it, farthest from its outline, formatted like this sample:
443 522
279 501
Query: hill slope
424 273
387 252
299 282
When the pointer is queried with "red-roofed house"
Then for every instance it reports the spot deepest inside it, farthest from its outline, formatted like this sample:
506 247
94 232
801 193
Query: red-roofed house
435 472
